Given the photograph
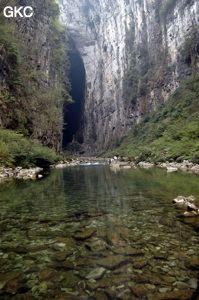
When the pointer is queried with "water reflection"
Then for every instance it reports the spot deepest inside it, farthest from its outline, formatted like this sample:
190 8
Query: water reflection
121 226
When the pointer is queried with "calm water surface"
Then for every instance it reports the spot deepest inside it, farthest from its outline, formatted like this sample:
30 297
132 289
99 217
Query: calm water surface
87 232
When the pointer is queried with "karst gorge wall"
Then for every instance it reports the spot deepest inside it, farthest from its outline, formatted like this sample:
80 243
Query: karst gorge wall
135 54
34 72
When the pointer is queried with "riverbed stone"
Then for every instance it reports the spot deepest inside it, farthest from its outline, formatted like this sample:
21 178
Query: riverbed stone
45 274
123 231
115 239
61 255
95 214
83 235
81 262
146 278
195 169
190 252
140 264
111 293
193 262
43 288
139 290
69 242
172 169
112 262
96 245
99 284
125 294
193 283
160 255
165 289
96 273
120 280
91 286
10 275
100 296
128 251
2 262
65 265
181 285
70 280
51 275
68 296
150 286
126 269
38 248
178 295
168 279
13 286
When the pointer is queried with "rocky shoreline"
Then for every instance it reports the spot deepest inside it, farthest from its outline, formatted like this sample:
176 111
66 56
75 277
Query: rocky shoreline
126 163
19 173
116 163
81 161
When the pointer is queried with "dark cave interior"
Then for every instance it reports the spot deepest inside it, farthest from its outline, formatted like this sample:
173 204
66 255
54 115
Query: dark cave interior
73 111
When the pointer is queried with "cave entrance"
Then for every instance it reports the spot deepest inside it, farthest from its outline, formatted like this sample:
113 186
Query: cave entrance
73 111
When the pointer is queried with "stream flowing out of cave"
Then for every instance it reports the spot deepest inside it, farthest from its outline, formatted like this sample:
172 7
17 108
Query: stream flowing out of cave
88 232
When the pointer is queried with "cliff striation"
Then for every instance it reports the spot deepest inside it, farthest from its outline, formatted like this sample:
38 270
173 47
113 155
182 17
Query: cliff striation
34 72
135 54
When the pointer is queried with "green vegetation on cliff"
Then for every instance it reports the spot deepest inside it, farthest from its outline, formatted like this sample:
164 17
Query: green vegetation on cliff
171 132
17 150
34 67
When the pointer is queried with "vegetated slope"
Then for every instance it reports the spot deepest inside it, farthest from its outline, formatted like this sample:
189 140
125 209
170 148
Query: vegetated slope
171 132
17 150
34 82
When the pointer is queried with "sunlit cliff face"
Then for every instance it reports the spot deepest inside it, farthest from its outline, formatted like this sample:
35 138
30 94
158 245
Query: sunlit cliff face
107 35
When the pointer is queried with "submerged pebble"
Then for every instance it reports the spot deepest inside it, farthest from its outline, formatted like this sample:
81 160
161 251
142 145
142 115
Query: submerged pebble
140 251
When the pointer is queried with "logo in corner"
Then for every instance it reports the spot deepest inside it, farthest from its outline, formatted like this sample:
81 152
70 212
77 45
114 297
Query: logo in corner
22 12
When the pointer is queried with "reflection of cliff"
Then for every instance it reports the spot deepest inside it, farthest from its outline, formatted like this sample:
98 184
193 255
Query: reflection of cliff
134 54
95 189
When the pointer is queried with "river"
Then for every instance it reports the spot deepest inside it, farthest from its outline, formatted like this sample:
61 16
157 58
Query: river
88 232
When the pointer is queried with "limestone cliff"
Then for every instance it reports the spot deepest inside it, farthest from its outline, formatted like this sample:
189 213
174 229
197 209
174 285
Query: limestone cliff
135 53
33 72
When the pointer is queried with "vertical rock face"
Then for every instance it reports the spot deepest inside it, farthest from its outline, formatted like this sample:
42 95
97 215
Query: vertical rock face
133 57
32 78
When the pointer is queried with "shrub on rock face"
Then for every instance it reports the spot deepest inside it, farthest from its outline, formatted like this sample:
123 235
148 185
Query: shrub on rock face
16 150
34 77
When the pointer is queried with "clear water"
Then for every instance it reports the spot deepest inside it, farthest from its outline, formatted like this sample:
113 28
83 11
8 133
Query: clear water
129 209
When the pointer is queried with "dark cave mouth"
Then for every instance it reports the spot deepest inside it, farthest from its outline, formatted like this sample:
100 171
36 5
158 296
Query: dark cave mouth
73 111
